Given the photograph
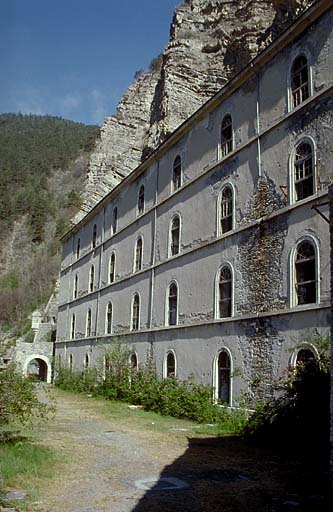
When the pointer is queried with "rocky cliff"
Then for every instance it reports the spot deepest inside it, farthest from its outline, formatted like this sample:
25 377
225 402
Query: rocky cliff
210 41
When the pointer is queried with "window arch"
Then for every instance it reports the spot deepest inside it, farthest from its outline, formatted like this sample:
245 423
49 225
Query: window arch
170 365
174 235
226 135
141 200
304 170
94 237
177 174
305 273
172 304
226 210
112 268
89 324
91 278
304 353
138 254
114 223
108 319
222 377
78 247
75 288
224 292
134 361
299 80
135 320
73 328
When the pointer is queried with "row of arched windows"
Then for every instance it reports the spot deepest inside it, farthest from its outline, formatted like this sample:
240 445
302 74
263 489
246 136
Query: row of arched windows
304 290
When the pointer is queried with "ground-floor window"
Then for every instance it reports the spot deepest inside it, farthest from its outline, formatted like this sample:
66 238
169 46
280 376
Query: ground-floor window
222 377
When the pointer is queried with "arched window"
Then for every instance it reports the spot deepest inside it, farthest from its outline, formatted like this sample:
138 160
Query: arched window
170 365
114 224
136 313
223 377
226 135
300 83
138 254
175 235
134 361
141 200
226 210
172 304
304 356
112 269
78 246
73 328
71 362
91 278
304 171
225 293
94 237
108 320
75 289
305 273
89 324
86 362
177 174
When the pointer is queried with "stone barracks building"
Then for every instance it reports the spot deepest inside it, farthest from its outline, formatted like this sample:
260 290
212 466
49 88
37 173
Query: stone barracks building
212 256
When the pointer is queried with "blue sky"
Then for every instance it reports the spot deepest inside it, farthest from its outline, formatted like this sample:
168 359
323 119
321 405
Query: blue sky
75 58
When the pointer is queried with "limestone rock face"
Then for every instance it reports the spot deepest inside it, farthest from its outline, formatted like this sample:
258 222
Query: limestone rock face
210 41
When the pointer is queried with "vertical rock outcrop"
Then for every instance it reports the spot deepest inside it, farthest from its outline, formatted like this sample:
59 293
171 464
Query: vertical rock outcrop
210 41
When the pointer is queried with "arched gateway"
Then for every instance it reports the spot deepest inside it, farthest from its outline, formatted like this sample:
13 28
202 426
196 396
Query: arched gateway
39 367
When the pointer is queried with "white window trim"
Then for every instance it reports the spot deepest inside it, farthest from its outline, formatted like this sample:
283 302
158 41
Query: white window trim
217 291
165 363
134 259
109 274
72 334
291 188
219 146
106 318
76 286
293 57
138 214
292 270
216 375
137 359
304 345
87 314
172 190
131 313
166 307
218 208
169 234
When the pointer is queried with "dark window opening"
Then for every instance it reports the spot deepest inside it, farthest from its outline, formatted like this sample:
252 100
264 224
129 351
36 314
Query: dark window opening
177 174
76 280
138 255
92 278
300 86
134 361
304 356
88 330
73 327
109 319
114 220
86 362
175 234
224 374
225 292
135 313
141 200
226 210
94 237
112 268
304 175
226 135
170 365
305 264
78 244
173 304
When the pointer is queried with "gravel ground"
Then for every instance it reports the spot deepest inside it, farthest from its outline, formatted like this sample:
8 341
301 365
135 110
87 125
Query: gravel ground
119 465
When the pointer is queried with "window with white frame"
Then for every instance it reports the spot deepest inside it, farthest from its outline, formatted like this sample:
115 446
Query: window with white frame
141 200
112 268
304 176
138 254
75 288
73 328
170 365
300 80
114 223
108 319
172 304
89 324
174 235
223 378
94 237
305 273
226 210
226 135
177 174
135 313
225 287
91 278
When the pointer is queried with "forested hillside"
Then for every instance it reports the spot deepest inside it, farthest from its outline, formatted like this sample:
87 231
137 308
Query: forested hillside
43 165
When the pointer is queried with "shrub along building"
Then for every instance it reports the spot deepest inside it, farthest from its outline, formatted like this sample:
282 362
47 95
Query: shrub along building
209 257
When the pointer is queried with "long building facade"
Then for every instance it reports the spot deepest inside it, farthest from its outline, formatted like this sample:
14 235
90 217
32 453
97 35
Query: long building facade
212 257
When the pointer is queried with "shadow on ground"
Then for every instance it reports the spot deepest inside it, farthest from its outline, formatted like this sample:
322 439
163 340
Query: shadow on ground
228 475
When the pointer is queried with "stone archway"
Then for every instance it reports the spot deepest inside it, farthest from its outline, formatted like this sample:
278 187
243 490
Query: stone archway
38 366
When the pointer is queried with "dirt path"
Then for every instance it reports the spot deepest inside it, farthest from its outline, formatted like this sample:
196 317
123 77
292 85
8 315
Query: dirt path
111 461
